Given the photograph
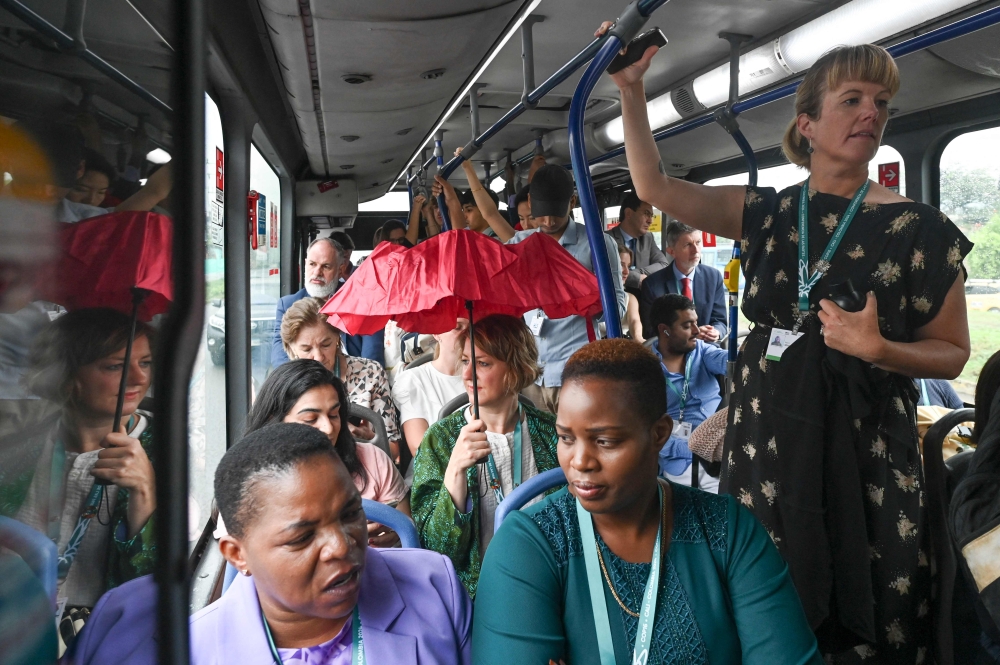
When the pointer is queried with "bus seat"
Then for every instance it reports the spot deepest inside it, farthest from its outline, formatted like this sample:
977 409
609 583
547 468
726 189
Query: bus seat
378 424
419 360
392 518
459 401
935 480
38 552
526 491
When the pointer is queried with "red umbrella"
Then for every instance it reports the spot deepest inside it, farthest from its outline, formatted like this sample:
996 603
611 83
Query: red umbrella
426 288
121 260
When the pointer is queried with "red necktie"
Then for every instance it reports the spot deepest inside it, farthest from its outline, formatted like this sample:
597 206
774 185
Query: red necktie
686 284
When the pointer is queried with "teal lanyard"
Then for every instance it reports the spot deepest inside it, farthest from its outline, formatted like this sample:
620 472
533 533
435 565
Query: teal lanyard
684 393
336 365
924 399
807 281
595 582
493 476
357 642
86 515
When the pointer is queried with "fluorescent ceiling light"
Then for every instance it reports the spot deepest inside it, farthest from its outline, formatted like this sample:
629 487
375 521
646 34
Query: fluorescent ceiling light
158 156
661 113
857 22
460 98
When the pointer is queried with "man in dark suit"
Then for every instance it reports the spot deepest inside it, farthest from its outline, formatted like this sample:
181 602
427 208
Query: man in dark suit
323 258
686 276
633 232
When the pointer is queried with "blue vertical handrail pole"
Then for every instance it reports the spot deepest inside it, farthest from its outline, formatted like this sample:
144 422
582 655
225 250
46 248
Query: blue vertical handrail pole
585 186
442 206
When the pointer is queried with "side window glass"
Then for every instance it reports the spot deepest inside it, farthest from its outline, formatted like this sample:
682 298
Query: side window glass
265 262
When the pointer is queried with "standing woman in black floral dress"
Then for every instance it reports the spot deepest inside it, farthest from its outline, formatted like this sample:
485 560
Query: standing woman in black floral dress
821 442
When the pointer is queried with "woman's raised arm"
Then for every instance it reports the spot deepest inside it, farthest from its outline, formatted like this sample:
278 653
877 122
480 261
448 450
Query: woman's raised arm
717 210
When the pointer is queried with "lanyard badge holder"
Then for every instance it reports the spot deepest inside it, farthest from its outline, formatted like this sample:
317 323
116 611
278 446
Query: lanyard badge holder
493 475
682 429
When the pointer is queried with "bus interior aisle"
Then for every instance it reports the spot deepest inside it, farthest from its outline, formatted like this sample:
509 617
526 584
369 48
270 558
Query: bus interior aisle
400 231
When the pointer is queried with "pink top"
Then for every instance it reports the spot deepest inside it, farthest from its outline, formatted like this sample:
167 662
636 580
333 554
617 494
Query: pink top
385 485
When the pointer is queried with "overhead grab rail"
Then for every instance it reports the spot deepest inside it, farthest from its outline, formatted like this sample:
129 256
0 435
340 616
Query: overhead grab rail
959 28
78 48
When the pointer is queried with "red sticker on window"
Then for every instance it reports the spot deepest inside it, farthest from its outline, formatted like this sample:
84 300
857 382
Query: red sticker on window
707 239
220 170
327 185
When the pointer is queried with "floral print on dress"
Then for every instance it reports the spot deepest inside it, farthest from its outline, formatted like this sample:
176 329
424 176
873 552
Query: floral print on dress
909 255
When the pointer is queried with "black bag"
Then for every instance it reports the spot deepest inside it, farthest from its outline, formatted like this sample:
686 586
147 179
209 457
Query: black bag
974 521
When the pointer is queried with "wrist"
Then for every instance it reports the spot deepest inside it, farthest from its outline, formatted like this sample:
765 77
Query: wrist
879 351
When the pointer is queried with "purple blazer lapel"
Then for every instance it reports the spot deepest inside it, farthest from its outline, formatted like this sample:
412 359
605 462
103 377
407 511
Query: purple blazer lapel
241 637
380 604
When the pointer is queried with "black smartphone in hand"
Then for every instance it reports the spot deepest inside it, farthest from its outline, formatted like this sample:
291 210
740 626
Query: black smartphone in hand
635 49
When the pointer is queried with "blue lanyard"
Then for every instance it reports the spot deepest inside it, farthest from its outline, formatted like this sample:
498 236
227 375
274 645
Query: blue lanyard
807 281
493 476
683 394
357 641
595 582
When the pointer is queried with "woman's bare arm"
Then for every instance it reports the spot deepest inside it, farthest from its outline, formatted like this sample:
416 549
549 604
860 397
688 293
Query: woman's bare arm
455 214
413 223
939 351
717 210
414 430
487 208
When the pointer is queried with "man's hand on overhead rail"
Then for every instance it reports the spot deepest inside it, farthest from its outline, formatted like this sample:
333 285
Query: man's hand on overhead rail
633 73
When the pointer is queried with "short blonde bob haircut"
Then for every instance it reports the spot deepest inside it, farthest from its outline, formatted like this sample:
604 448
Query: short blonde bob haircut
868 63
303 314
508 339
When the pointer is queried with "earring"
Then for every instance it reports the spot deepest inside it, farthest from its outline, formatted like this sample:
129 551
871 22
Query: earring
246 573
810 148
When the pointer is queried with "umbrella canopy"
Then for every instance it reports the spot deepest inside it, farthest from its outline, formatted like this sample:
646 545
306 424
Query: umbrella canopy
426 288
105 257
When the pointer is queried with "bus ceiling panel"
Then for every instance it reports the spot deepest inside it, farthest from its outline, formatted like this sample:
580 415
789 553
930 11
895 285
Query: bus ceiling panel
976 52
107 21
927 81
400 10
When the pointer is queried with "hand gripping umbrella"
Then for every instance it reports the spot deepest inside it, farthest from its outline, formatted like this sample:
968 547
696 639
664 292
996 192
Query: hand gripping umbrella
426 288
121 261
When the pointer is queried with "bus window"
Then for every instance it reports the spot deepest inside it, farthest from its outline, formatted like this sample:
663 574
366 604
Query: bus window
207 435
265 262
970 196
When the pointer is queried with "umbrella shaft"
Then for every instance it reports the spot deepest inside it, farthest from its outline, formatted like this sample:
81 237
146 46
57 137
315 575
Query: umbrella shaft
137 297
472 349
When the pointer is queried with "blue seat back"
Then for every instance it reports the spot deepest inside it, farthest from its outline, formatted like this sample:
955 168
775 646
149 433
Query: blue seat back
526 491
37 550
375 512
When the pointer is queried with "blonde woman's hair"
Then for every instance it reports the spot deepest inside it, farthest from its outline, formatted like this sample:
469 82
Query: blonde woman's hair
867 62
303 314
509 340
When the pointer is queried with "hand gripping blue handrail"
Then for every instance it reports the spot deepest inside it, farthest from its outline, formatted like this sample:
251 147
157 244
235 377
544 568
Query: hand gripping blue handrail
525 492
38 552
375 512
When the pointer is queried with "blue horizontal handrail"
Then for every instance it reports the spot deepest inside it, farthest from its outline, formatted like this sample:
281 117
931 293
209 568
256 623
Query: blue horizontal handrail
959 28
66 42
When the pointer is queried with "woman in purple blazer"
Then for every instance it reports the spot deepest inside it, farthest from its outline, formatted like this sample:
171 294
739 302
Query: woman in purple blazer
310 591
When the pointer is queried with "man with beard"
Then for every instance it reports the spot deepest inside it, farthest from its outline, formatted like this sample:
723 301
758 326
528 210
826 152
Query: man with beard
322 272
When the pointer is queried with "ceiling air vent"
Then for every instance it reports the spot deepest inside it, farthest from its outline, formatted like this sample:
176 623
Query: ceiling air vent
685 102
349 138
432 74
404 132
356 79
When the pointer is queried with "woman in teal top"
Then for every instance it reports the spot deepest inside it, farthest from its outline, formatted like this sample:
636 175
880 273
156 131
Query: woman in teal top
720 593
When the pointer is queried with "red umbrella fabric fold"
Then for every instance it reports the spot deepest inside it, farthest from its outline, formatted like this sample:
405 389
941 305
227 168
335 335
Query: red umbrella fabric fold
104 257
425 288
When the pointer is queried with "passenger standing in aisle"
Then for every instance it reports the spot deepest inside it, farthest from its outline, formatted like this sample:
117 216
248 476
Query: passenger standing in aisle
836 480
692 370
687 276
557 339
634 220
322 278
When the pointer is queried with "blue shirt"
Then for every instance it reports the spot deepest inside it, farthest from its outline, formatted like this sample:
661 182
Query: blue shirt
558 339
708 362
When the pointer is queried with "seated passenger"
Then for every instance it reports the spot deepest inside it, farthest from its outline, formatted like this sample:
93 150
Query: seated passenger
303 391
47 479
719 591
692 369
454 497
631 325
421 392
938 392
122 629
346 249
689 277
309 588
306 333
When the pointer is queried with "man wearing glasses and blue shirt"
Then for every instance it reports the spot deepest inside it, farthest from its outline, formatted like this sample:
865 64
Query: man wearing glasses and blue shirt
692 369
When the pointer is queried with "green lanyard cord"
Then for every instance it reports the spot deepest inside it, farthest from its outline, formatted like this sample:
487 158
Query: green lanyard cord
493 475
336 365
357 641
647 612
807 281
683 394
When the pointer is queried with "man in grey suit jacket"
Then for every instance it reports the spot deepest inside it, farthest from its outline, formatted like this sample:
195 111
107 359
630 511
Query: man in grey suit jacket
633 232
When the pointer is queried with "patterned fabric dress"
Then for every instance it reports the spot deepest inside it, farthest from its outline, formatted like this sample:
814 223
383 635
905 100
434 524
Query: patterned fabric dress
909 255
